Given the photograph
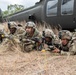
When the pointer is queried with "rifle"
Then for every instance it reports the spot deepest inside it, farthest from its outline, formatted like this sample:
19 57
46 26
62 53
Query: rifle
51 48
33 41
57 45
27 41
38 44
43 37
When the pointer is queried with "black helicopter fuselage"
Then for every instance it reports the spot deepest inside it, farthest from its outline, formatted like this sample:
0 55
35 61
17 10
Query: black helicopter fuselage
54 12
1 17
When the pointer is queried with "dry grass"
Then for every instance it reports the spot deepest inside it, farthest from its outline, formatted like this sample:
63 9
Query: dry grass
36 63
15 62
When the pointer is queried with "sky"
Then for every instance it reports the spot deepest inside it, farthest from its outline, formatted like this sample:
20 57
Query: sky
25 3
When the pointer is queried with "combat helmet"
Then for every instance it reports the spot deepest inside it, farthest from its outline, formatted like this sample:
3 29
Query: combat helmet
65 34
12 25
49 33
30 24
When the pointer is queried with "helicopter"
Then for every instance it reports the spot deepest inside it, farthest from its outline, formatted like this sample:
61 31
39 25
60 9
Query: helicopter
1 16
53 12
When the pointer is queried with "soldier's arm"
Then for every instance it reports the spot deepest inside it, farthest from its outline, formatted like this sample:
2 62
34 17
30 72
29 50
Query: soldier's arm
72 48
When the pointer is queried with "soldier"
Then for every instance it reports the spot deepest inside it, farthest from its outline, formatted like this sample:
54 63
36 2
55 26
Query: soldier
31 38
13 32
14 29
73 46
49 41
2 33
12 26
66 38
12 38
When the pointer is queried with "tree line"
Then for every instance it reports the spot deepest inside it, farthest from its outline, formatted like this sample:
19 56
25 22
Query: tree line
12 9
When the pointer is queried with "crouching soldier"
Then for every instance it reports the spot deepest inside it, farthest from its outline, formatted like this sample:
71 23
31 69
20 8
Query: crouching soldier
66 38
31 38
48 41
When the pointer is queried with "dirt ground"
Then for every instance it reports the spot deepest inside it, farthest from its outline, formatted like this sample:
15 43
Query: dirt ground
36 63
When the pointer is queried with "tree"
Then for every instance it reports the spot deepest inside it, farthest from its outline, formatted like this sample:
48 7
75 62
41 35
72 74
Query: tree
12 9
5 13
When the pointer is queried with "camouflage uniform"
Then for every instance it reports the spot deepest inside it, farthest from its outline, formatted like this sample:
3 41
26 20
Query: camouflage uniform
2 34
14 38
53 40
19 31
30 42
66 49
73 45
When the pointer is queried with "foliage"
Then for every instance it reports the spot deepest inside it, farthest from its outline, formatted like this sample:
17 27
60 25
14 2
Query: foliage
13 9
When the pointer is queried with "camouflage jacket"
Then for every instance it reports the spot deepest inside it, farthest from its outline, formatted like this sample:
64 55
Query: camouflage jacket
55 43
69 49
72 48
36 34
30 41
12 37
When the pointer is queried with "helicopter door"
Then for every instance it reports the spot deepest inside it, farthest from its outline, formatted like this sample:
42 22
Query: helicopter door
74 18
51 11
67 13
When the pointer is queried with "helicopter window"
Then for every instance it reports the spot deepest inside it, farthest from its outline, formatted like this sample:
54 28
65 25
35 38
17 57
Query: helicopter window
51 8
67 7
